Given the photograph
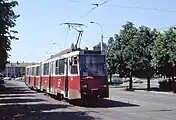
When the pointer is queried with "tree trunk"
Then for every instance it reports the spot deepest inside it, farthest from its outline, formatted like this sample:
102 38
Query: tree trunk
110 77
173 84
148 78
148 83
131 82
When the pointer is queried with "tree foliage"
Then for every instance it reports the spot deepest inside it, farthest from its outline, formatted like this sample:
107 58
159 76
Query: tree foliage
98 47
7 22
129 53
164 53
141 52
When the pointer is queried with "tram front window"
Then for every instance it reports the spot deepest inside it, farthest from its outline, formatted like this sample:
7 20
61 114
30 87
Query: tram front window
92 65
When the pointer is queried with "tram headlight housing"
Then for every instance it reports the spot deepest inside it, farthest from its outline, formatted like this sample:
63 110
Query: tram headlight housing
85 86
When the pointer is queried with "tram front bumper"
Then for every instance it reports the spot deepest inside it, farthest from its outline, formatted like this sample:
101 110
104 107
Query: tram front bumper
96 93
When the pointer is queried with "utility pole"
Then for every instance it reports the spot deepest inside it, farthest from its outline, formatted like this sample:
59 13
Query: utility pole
101 33
102 42
7 72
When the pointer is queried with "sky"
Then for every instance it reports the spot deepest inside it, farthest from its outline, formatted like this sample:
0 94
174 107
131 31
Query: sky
41 35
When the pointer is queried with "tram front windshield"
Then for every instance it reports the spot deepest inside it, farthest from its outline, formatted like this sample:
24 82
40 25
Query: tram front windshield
93 65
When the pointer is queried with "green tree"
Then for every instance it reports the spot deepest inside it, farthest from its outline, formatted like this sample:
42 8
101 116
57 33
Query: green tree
98 47
142 57
111 60
125 53
133 52
7 22
110 45
164 53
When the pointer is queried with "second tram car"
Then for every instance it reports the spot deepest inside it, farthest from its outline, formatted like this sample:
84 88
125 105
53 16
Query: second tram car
73 75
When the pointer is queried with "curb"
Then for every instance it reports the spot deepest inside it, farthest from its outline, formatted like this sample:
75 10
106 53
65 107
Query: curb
156 92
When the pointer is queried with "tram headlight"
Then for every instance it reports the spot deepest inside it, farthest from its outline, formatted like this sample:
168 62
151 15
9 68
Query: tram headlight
105 86
85 86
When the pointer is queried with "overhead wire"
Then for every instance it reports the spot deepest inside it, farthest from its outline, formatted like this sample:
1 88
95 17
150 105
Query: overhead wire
66 38
130 7
92 9
93 44
97 42
172 26
123 6
142 8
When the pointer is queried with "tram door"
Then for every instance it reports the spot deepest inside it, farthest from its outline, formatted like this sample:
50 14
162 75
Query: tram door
51 66
66 77
30 73
41 78
35 74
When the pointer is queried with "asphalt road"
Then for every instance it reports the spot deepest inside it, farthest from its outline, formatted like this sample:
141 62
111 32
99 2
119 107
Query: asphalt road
20 103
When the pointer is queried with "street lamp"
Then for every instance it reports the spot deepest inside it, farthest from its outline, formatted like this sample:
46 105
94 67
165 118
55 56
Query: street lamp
101 33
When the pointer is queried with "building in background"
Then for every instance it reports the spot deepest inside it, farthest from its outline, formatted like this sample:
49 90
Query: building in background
16 69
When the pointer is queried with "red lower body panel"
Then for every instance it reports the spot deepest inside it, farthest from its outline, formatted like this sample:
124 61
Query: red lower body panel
32 81
45 83
37 82
71 87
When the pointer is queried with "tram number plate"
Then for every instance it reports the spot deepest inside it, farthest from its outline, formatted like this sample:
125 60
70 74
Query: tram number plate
94 89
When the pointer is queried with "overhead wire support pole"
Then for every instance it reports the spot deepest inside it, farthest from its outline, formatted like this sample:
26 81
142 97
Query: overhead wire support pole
101 33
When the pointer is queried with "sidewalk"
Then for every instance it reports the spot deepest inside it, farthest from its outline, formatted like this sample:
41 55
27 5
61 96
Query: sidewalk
158 92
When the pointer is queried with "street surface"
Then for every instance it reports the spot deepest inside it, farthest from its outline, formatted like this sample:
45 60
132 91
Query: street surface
20 103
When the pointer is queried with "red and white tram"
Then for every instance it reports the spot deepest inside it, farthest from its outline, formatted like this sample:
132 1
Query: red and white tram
71 74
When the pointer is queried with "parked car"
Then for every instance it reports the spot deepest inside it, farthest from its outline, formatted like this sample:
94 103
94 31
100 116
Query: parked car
117 81
137 81
2 85
7 78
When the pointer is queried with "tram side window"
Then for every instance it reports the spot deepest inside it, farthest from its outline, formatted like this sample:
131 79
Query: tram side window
47 73
30 71
46 69
37 71
51 68
61 67
74 69
57 67
33 71
74 66
27 71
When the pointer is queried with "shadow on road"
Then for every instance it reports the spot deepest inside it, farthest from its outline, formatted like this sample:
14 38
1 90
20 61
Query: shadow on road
7 96
16 90
20 100
40 112
32 109
103 103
